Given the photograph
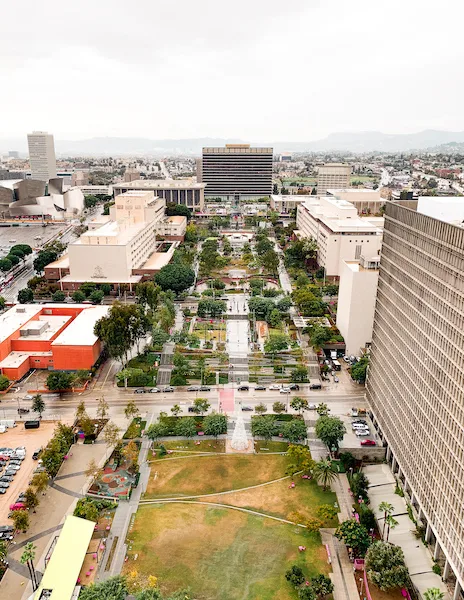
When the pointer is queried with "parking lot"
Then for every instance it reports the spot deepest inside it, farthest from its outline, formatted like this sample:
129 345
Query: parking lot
31 439
26 235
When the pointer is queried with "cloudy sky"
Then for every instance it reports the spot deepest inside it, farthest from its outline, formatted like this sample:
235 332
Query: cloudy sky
252 69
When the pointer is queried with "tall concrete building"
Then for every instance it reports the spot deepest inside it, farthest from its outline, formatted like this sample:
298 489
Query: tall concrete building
42 155
178 191
237 171
415 386
333 176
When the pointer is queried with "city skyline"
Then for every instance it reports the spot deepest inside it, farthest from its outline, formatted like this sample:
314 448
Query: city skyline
322 67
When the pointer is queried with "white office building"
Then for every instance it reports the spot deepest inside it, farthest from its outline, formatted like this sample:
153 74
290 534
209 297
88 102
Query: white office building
42 155
333 176
284 204
341 235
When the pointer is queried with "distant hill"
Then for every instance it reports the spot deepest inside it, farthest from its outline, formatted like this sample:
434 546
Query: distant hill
357 142
450 148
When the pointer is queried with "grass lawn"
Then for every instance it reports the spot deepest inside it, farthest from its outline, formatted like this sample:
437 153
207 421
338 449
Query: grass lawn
210 474
266 447
220 553
185 446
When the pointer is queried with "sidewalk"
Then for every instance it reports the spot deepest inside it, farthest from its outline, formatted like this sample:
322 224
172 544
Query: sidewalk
342 569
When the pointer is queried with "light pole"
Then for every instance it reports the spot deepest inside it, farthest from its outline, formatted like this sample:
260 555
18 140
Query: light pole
362 583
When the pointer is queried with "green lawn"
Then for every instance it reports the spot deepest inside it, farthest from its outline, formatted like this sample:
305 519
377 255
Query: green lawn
220 553
184 446
266 447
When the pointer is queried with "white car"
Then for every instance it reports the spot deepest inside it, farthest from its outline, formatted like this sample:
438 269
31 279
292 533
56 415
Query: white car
274 386
312 406
285 390
363 432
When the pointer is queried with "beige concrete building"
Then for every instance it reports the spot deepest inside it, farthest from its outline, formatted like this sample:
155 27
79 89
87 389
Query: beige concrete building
338 230
415 386
356 302
178 191
284 204
42 155
172 228
333 176
367 202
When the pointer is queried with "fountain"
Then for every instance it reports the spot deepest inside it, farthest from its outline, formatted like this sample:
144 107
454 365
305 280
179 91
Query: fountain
239 437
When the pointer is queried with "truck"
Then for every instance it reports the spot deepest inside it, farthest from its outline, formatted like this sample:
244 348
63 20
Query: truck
336 365
333 354
31 424
9 423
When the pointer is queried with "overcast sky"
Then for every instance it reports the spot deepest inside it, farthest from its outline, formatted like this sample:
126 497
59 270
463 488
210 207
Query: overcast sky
261 70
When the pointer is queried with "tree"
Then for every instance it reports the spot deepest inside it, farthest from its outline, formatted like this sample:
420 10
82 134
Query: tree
309 304
81 412
313 524
263 427
102 410
261 408
175 276
92 470
40 482
322 409
44 258
270 261
201 405
131 411
111 434
20 520
78 296
215 424
306 593
159 337
274 318
176 409
27 558
331 431
14 260
186 427
156 431
385 566
284 304
3 550
294 431
24 248
325 473
300 454
58 296
433 594
391 524
328 512
359 485
300 404
97 296
295 575
25 296
131 453
322 585
5 264
181 363
60 380
275 344
354 535
38 405
211 308
319 335
88 287
4 382
299 374
2 302
359 369
31 501
114 588
278 407
173 209
147 294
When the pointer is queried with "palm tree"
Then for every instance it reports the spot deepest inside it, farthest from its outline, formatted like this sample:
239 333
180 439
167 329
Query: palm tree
392 523
27 558
325 473
433 594
387 509
38 405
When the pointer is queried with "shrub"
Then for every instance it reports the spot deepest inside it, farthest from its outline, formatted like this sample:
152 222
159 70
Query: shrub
4 382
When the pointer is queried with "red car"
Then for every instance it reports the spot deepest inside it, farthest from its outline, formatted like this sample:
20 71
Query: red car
368 443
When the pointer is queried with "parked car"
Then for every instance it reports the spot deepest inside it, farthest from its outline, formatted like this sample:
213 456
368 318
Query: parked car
315 386
3 491
247 408
294 386
191 409
363 432
28 397
274 386
23 411
10 473
139 391
154 390
204 388
346 359
193 388
4 484
7 478
336 379
36 454
17 506
368 443
312 406
243 388
168 388
260 388
284 390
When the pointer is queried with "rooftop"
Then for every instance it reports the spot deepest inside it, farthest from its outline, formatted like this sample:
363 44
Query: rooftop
15 359
61 263
176 220
80 331
51 325
16 317
157 261
156 184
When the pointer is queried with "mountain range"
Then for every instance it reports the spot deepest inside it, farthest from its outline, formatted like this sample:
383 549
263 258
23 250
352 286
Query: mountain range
356 142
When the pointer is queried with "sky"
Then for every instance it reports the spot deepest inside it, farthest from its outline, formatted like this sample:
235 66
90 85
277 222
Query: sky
261 70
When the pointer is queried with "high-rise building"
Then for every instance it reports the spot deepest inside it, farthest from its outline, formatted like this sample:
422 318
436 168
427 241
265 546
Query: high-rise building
333 176
237 171
415 386
42 155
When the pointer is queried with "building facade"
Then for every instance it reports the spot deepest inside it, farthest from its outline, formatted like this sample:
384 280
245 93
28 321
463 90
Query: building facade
356 302
284 204
333 176
341 235
42 155
415 386
237 171
49 336
177 191
367 202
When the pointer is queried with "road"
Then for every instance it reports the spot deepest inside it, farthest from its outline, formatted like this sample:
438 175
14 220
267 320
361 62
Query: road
164 170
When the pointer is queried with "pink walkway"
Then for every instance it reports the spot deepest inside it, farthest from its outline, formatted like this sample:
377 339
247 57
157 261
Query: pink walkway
226 398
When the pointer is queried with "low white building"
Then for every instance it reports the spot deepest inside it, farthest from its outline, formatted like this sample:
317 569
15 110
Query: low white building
356 302
284 204
178 191
341 235
365 201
